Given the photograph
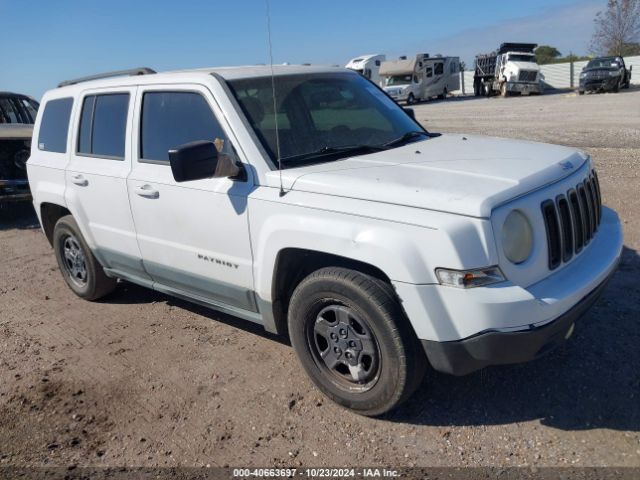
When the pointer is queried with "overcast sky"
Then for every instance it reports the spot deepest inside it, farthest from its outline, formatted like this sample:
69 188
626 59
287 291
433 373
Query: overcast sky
46 41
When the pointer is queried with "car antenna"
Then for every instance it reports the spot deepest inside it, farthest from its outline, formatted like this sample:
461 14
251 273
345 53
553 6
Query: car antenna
275 103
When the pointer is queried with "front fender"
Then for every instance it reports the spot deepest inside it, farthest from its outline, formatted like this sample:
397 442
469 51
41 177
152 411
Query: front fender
404 250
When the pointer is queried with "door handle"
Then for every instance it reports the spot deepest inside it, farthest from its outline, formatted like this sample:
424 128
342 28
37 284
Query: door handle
80 180
147 191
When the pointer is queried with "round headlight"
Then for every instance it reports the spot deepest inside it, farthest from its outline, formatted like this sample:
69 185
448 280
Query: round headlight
517 237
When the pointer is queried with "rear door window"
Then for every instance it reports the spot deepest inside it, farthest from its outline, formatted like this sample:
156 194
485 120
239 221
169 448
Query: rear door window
54 127
103 125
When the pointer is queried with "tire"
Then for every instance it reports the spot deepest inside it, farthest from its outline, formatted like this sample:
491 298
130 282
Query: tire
487 89
80 269
580 92
443 96
616 88
477 89
503 89
411 99
335 306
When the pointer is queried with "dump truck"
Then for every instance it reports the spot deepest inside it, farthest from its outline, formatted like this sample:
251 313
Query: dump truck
510 69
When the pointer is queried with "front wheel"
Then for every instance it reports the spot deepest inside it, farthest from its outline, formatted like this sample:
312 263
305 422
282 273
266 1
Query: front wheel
79 268
411 99
354 340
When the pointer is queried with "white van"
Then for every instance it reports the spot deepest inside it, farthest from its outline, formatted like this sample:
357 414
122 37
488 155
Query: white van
420 78
368 66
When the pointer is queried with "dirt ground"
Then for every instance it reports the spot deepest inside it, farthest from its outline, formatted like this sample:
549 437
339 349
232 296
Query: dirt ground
142 379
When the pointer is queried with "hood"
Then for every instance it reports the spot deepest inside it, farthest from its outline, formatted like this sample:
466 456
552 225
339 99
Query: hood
525 66
466 175
16 131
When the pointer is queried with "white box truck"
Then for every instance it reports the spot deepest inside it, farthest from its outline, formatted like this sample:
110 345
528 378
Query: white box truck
420 78
368 66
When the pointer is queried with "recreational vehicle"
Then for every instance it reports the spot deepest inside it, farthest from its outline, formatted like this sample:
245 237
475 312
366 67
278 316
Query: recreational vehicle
368 66
420 78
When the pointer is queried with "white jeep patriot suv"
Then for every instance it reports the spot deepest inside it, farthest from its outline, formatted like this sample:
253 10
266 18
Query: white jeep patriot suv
312 204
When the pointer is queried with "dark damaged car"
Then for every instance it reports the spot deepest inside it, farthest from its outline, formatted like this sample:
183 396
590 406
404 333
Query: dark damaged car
604 74
17 115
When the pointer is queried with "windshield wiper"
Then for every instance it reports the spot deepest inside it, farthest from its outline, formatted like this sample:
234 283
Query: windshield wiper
405 138
332 150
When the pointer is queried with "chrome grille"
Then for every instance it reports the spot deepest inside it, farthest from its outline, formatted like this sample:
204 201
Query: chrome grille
572 219
527 76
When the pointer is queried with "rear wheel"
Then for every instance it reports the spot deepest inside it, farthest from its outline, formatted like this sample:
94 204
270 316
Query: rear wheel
354 341
444 94
487 89
79 268
477 88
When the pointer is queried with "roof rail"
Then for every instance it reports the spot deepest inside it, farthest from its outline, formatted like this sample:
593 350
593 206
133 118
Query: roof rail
118 73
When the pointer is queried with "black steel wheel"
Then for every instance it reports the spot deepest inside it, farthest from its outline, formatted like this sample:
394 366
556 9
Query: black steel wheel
74 261
344 346
80 269
354 340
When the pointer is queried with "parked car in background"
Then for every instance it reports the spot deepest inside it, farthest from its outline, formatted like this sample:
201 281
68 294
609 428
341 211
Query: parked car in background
605 74
368 66
420 78
17 116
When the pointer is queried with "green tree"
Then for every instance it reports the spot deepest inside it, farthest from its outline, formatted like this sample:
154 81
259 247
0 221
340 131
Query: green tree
546 54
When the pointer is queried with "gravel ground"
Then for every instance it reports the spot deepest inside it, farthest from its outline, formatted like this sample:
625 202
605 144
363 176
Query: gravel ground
142 379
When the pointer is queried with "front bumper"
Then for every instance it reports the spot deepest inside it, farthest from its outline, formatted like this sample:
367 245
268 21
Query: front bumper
506 311
524 88
14 191
498 348
605 84
399 97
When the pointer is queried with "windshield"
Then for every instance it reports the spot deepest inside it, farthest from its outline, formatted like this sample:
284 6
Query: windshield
17 109
321 113
603 63
520 57
399 80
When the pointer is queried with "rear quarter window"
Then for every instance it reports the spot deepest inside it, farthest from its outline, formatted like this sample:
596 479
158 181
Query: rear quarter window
54 127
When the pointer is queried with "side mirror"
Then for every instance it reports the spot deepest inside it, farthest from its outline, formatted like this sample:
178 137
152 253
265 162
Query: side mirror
411 112
199 160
